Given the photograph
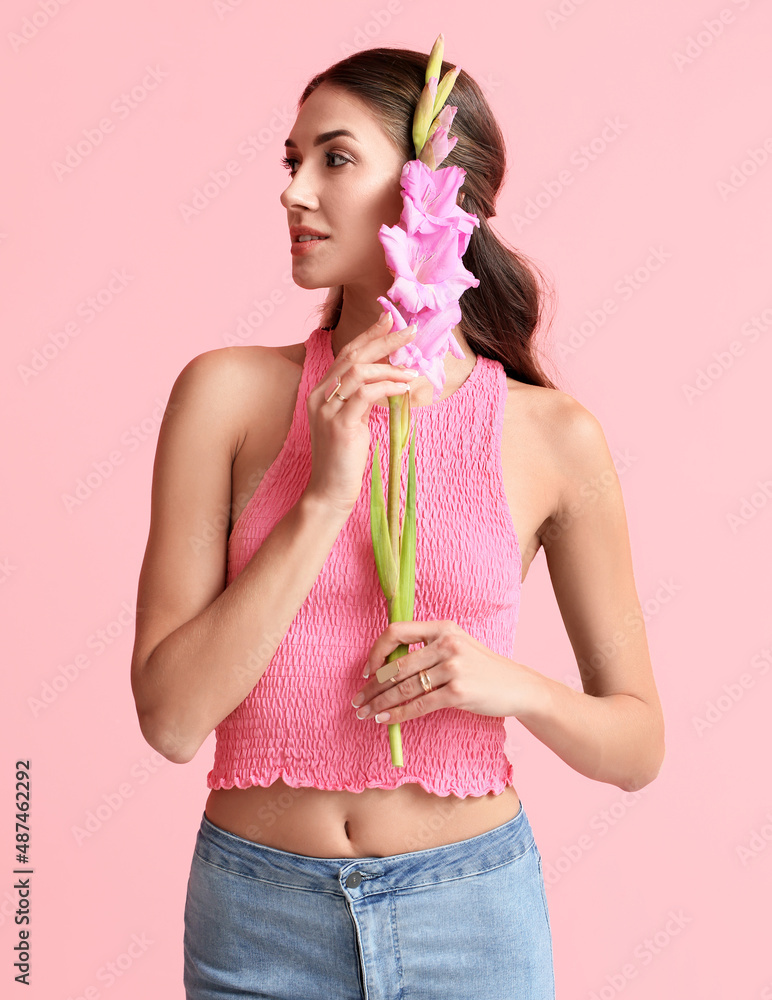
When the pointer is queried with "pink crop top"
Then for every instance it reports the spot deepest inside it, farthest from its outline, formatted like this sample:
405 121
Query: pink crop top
298 723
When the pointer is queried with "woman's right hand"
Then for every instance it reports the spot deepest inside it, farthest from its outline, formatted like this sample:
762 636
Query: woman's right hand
339 429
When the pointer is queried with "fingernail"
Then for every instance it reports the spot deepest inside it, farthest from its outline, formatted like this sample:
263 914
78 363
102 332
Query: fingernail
358 700
384 318
382 717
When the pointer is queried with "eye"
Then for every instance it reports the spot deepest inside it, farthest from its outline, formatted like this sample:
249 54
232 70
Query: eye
287 161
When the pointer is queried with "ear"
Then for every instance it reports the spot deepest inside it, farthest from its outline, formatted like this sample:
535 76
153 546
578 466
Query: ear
460 201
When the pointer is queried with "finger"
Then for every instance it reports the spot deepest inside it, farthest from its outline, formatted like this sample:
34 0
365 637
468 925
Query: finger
360 373
371 690
357 361
364 389
422 704
358 405
407 683
377 696
398 634
376 343
393 673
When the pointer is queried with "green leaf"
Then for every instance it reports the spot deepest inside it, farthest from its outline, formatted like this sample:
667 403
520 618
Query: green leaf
407 544
379 529
405 420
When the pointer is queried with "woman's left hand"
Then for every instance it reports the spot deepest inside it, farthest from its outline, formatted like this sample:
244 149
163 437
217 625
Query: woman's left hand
463 672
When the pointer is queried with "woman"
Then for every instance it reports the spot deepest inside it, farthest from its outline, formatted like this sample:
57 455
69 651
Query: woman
321 868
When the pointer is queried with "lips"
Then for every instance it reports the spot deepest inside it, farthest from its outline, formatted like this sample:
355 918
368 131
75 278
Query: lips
296 231
302 248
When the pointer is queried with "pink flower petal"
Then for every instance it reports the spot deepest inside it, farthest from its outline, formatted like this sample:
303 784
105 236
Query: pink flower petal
423 252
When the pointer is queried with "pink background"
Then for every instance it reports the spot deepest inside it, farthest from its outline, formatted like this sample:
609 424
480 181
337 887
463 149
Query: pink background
690 97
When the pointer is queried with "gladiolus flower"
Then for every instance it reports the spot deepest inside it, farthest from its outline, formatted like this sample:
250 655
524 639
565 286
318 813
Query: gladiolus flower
423 252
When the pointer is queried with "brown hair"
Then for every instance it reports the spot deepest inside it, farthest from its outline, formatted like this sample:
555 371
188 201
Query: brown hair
500 316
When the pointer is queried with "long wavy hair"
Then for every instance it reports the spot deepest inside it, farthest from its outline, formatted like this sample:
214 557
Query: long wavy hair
501 315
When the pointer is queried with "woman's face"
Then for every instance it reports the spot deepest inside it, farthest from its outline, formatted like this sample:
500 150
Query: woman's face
346 186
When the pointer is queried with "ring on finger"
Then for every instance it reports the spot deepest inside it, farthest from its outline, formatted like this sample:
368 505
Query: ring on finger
388 672
336 392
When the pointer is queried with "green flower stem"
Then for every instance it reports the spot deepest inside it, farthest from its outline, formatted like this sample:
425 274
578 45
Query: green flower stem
395 612
395 472
395 742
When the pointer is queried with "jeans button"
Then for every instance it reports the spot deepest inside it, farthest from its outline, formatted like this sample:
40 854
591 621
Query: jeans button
353 880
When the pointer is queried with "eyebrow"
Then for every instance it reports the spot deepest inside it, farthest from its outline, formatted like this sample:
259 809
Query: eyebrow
325 137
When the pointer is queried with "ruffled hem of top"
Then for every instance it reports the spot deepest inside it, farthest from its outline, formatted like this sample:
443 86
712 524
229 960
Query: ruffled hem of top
437 786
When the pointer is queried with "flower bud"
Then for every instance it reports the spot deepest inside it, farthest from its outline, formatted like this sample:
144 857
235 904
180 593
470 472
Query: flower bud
444 89
424 114
434 66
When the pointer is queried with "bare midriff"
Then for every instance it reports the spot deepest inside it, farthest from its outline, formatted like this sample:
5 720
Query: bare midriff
376 822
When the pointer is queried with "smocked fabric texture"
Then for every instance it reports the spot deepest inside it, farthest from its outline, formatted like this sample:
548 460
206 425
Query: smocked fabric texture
298 722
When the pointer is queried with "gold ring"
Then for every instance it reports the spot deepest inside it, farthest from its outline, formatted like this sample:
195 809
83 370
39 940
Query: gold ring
335 391
423 677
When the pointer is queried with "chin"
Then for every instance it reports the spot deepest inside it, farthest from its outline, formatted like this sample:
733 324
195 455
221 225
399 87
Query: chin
309 283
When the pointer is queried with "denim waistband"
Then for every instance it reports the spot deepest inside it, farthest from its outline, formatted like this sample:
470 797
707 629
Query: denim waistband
499 846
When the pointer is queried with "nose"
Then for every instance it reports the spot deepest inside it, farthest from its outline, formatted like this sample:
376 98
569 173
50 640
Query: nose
299 192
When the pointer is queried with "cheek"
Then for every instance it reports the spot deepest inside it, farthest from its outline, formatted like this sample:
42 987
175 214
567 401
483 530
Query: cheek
380 204
392 206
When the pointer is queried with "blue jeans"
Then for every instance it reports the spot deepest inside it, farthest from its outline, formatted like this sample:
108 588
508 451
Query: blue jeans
463 921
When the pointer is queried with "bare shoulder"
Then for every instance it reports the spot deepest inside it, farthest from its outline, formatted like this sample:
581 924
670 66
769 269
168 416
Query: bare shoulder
230 369
229 386
565 431
553 408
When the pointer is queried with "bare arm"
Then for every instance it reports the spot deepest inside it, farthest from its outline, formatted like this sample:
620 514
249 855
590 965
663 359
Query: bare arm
613 730
200 647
